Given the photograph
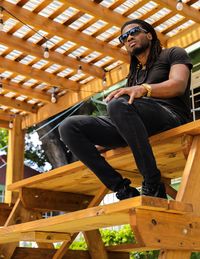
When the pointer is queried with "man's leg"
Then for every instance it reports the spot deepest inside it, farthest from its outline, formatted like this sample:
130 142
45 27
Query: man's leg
81 134
135 124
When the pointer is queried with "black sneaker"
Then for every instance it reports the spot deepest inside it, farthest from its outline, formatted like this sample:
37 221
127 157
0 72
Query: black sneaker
156 190
127 191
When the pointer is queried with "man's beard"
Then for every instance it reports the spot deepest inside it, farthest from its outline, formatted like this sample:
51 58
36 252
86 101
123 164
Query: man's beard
139 50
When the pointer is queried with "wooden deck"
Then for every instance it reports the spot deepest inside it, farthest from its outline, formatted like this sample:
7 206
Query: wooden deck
173 224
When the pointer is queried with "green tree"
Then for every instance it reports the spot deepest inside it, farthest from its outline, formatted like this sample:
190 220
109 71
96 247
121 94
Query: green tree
3 138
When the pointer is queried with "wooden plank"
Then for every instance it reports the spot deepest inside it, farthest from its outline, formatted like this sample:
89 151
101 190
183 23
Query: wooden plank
188 11
65 245
39 74
17 215
4 124
45 200
189 188
129 248
90 219
175 254
95 245
36 50
86 91
27 253
21 90
185 37
46 237
188 191
19 105
42 23
167 147
168 231
15 157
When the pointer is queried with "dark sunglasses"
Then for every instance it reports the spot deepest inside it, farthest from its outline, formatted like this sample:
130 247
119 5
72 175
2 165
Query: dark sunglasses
132 32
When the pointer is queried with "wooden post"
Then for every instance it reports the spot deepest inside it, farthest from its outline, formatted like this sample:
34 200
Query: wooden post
188 192
15 158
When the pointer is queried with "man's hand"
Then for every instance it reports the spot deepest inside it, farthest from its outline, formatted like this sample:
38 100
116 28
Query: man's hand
137 91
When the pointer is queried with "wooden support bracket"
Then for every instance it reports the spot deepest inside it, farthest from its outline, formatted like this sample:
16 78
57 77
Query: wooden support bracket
45 200
164 230
45 237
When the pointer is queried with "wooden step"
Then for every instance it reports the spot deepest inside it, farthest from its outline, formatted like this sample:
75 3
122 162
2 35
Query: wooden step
76 178
92 218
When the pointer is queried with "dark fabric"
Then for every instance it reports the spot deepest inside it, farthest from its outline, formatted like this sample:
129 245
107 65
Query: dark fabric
160 72
125 125
129 124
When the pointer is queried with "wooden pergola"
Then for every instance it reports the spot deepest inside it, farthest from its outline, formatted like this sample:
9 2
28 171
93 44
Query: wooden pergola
85 58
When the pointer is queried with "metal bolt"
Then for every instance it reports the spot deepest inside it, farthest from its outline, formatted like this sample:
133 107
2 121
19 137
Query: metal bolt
154 222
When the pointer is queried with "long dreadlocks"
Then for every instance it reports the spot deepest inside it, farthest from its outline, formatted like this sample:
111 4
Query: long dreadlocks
154 51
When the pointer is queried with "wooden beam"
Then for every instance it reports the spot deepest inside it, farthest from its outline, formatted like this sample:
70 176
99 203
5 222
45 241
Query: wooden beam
188 192
109 215
16 216
176 232
185 37
45 237
174 254
38 74
95 245
189 189
188 11
24 252
19 105
21 90
15 157
42 23
65 245
55 57
71 99
6 116
4 124
45 200
108 15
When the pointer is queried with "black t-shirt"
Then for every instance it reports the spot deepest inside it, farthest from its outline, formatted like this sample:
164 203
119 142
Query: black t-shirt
160 72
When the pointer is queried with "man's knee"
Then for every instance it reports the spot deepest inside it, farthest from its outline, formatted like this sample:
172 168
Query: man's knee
66 127
116 105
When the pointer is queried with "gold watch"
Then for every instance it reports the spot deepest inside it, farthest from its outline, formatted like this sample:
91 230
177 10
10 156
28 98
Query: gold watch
148 88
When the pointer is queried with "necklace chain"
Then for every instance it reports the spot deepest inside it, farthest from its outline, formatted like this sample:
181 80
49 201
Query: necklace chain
144 76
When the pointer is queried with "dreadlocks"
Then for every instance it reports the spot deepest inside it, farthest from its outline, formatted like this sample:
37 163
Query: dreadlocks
154 51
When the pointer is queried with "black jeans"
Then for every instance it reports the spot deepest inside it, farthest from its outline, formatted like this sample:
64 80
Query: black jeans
125 125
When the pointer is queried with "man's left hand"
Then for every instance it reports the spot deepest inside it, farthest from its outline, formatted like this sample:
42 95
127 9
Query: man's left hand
137 91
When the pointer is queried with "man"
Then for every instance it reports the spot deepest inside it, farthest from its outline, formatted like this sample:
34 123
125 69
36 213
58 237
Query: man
156 98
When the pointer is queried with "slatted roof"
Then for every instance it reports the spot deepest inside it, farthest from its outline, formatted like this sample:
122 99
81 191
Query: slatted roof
78 34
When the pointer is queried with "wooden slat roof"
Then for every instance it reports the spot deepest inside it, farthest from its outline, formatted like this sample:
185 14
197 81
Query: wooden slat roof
78 33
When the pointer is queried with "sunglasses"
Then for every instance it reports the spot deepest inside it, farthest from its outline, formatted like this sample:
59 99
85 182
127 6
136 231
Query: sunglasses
132 32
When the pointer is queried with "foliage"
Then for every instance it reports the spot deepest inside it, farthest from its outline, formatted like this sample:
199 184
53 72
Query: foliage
79 244
3 138
34 154
117 236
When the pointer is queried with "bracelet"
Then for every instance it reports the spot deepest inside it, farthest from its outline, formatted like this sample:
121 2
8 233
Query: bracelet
148 88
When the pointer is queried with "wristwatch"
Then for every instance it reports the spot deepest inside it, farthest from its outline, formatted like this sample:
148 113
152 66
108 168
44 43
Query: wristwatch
148 88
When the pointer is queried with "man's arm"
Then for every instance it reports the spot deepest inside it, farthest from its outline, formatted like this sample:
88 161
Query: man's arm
174 86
